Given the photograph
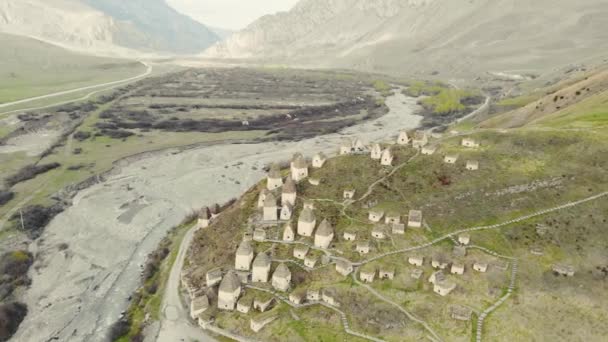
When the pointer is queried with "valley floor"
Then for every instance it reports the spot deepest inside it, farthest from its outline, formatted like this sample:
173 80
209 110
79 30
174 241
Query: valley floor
77 294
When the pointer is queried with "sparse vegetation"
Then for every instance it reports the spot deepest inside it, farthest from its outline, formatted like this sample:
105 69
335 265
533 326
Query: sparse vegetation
11 316
13 271
29 172
33 219
6 196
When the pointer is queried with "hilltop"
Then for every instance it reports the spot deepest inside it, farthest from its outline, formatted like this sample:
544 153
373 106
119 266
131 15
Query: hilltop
503 215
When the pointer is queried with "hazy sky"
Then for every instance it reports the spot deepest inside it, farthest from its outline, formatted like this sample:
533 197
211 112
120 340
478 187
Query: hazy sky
230 14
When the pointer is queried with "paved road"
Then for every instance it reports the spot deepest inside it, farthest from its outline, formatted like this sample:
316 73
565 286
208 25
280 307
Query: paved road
175 316
111 85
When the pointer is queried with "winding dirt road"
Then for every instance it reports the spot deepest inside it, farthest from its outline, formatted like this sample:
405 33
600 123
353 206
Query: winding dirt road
109 85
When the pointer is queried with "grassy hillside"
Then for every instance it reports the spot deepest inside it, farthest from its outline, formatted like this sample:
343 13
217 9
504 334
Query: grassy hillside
29 68
521 172
575 103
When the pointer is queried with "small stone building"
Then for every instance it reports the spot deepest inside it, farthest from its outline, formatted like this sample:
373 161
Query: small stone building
392 218
281 278
363 247
387 157
271 209
229 292
244 305
358 146
319 160
261 268
436 277
439 262
480 267
329 297
286 212
310 261
403 138
367 275
379 232
313 295
428 150
386 272
259 235
297 297
459 251
457 268
416 273
299 168
344 267
289 193
398 229
472 165
314 181
460 313
274 179
289 234
469 142
564 270
346 147
306 223
376 152
416 260
444 288
262 198
421 139
262 303
213 277
450 159
350 236
349 194
414 219
204 218
198 306
324 235
300 251
244 256
464 239
376 216
258 323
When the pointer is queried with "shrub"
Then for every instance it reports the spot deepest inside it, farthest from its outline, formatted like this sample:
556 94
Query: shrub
82 136
6 196
119 329
35 218
29 172
11 316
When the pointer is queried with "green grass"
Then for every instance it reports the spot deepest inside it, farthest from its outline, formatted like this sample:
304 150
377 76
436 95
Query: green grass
31 68
420 88
382 87
447 101
589 113
518 101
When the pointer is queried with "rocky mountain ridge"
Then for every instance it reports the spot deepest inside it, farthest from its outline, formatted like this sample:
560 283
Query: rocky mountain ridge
425 36
107 27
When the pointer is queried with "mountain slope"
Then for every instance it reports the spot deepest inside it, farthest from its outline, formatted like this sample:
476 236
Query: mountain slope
421 36
29 68
107 26
578 104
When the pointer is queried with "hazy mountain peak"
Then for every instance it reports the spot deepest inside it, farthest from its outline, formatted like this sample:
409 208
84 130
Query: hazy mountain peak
107 26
